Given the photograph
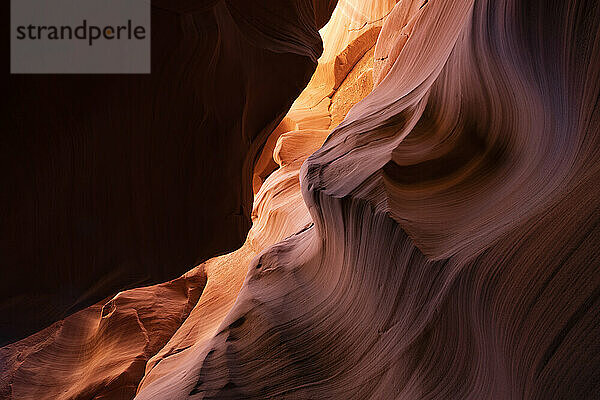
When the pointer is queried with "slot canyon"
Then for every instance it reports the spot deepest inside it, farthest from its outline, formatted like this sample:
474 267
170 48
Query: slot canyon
313 199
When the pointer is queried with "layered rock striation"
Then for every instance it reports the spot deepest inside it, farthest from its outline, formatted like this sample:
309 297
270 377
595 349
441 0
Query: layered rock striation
441 242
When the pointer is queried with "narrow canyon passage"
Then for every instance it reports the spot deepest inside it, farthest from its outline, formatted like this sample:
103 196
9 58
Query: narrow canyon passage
150 335
424 226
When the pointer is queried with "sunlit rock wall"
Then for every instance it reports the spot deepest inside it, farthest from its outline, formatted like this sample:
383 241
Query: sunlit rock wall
424 227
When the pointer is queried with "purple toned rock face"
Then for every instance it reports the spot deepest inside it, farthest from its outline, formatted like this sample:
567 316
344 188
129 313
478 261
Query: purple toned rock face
116 181
441 242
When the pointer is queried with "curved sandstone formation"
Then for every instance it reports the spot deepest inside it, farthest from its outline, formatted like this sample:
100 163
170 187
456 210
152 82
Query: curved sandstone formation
427 228
454 252
100 352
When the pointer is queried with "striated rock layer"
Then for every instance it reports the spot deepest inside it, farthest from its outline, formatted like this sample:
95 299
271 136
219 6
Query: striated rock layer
443 243
454 252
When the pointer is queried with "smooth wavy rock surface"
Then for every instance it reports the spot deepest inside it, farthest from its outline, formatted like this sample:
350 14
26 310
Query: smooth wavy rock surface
454 252
441 242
